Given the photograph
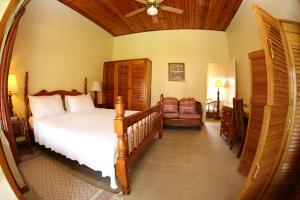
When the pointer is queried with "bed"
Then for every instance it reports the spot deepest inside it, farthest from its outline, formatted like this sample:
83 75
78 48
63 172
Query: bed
105 140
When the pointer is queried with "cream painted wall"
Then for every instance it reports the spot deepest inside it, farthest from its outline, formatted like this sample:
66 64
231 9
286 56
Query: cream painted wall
58 47
195 48
243 35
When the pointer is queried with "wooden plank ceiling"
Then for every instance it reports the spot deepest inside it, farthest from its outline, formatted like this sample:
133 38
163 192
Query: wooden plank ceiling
198 14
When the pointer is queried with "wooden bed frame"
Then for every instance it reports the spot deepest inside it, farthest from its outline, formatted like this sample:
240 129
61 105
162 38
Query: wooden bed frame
147 124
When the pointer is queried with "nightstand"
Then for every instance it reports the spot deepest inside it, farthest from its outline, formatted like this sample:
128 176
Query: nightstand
20 130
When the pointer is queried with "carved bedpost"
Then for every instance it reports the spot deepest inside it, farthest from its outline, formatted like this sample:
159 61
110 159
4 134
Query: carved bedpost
161 102
26 100
119 126
85 85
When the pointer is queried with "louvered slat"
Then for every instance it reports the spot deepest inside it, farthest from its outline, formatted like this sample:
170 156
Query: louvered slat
138 84
123 69
108 84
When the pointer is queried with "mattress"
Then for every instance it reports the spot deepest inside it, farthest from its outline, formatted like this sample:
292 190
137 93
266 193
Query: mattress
87 137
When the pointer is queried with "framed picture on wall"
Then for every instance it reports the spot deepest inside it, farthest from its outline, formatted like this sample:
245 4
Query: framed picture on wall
176 72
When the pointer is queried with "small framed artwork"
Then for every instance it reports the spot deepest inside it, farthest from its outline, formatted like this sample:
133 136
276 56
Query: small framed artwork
176 72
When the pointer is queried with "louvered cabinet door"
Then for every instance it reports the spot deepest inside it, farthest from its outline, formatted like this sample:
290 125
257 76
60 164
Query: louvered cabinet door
287 176
258 101
273 131
138 84
108 84
122 81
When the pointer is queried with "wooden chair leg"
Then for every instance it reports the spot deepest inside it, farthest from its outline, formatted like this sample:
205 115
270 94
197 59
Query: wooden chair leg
231 139
160 134
241 148
161 129
30 147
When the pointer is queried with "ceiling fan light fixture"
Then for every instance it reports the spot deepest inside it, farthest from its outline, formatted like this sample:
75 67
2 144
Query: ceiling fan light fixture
152 10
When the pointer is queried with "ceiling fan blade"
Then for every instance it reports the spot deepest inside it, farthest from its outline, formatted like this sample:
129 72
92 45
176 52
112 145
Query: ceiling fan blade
141 1
159 1
171 9
155 19
137 11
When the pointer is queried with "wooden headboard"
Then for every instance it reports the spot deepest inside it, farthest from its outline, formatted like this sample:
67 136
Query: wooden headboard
44 92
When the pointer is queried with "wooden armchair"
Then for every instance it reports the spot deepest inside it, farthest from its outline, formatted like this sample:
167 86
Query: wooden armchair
211 108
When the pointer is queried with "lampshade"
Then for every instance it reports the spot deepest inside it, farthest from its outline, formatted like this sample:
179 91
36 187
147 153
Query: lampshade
152 10
96 86
12 84
218 83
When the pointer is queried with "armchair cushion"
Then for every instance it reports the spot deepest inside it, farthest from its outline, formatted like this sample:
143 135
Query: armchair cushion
187 106
170 105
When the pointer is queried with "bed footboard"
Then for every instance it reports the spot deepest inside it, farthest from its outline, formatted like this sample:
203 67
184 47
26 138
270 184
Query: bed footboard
134 132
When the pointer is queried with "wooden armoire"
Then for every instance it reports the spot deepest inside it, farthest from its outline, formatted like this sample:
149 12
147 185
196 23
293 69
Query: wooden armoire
271 156
130 79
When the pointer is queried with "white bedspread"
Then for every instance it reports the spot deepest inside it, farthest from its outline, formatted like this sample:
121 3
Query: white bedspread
87 137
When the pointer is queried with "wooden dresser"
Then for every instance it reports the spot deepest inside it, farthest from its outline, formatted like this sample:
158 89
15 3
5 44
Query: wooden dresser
130 79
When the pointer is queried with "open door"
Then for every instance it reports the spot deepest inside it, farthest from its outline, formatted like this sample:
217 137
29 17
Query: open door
226 74
275 112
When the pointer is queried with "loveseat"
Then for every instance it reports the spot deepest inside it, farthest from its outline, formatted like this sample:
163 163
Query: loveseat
186 112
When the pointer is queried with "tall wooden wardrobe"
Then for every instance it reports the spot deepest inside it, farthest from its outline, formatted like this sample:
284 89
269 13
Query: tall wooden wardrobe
130 79
271 156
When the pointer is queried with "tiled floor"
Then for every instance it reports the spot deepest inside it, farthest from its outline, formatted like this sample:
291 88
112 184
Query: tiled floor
187 164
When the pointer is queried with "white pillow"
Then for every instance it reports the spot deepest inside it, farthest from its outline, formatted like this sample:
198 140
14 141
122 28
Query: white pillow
79 103
42 106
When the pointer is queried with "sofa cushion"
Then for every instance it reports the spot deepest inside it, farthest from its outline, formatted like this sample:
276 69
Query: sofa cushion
170 115
189 116
170 105
187 106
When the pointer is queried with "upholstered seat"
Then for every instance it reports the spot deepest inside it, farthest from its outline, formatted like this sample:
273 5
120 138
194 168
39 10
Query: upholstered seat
170 115
189 116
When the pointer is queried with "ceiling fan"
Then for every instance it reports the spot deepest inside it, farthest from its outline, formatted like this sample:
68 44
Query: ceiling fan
152 9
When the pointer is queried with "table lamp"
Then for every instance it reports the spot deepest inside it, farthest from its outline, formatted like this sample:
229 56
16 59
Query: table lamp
96 88
12 89
218 84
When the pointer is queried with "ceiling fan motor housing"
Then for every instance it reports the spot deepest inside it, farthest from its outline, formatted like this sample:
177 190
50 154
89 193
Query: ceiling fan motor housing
152 3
